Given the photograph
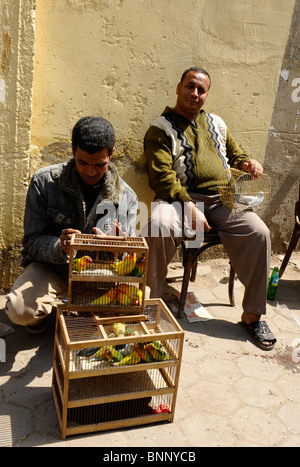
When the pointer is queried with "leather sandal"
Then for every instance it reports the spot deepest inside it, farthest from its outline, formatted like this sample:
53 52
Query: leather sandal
260 332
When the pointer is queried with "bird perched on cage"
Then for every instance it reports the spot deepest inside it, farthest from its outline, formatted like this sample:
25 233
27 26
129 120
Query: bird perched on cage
139 269
113 355
123 299
100 354
106 299
129 295
125 267
157 352
80 264
144 352
132 359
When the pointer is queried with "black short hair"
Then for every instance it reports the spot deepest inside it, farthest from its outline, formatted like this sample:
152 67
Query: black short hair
198 70
93 134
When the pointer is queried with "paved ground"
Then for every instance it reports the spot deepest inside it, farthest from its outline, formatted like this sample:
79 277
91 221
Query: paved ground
231 393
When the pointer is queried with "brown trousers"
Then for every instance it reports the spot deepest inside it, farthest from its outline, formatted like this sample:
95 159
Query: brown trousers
33 294
244 236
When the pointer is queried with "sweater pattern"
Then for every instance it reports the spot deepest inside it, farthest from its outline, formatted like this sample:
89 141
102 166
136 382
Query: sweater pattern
184 163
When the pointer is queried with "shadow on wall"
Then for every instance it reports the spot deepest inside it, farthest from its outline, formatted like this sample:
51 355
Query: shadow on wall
283 147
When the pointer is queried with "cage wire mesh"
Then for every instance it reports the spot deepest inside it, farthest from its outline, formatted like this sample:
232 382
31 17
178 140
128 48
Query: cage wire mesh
92 256
107 271
104 355
111 368
238 190
119 410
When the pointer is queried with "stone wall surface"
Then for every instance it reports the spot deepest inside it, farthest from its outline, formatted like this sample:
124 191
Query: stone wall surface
122 60
17 46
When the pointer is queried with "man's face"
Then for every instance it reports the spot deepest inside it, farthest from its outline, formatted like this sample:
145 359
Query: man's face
91 167
192 94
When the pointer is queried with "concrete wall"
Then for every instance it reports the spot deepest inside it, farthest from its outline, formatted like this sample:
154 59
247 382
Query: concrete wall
17 39
122 59
282 153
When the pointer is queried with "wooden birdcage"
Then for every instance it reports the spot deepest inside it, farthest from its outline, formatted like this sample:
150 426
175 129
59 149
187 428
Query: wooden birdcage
117 355
107 272
238 190
115 371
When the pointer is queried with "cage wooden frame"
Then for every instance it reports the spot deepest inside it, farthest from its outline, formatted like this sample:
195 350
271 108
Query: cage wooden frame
162 377
233 179
109 244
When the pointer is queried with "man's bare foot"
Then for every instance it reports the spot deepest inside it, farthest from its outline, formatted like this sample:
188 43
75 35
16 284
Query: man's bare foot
249 318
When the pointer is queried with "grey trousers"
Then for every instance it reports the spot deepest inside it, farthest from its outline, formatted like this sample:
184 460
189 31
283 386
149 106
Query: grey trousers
244 236
33 294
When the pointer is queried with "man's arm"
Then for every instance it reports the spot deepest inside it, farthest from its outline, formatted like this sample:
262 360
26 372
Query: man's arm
40 240
162 177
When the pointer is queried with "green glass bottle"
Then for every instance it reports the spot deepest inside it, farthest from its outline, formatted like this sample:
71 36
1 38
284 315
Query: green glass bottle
273 284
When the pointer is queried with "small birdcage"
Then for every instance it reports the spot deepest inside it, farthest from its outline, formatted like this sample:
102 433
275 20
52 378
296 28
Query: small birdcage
238 190
107 272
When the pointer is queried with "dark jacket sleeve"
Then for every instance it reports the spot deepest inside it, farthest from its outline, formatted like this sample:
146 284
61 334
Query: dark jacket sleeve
41 237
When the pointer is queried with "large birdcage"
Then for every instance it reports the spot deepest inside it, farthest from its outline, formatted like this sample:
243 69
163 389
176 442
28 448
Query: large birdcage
111 372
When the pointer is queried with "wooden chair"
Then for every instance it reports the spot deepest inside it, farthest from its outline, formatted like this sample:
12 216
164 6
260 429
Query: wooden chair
190 257
294 239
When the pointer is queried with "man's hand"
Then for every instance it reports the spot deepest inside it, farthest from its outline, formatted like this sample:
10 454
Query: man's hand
65 238
199 221
253 167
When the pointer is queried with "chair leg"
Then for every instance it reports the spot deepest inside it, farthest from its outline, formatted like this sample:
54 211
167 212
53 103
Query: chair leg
194 271
190 270
185 282
292 246
231 286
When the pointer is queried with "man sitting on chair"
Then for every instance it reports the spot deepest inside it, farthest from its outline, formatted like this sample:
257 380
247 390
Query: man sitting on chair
186 151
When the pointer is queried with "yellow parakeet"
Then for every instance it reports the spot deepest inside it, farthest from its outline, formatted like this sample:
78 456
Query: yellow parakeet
125 267
139 268
80 264
144 352
123 299
132 359
100 354
106 299
113 355
133 295
157 353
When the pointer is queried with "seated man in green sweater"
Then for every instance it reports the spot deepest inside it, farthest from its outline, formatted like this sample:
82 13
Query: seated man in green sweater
186 151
